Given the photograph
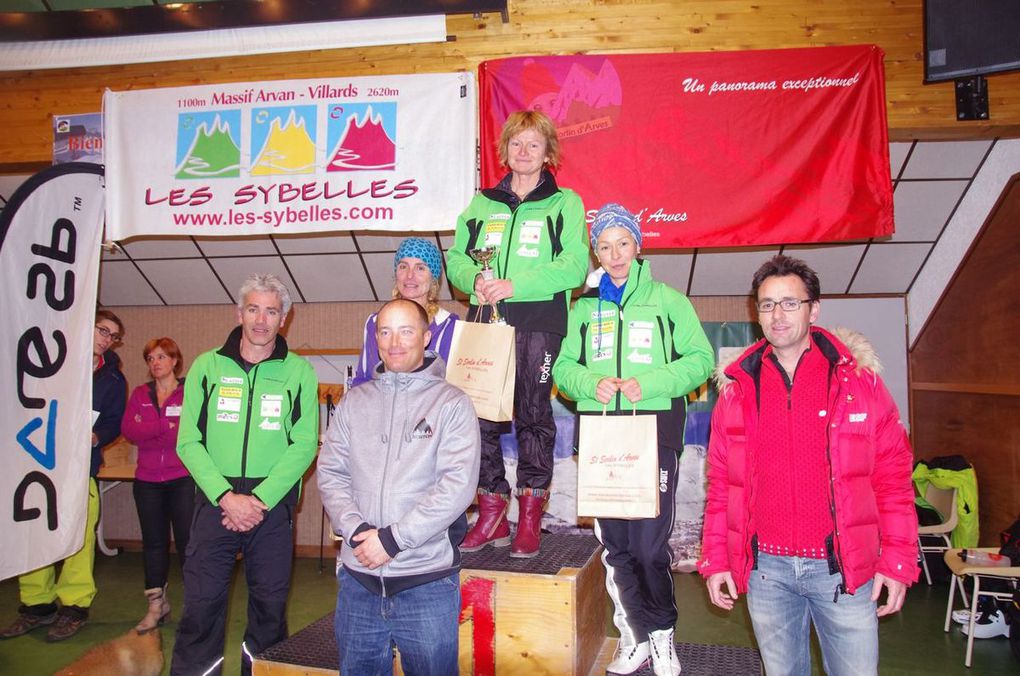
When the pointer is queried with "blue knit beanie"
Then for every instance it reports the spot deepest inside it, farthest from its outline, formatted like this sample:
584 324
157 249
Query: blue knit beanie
422 249
613 215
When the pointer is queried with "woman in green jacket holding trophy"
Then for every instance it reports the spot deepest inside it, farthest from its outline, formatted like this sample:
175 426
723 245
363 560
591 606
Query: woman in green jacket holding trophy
532 234
636 344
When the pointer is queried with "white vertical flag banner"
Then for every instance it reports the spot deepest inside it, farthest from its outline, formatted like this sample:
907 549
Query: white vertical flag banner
362 153
50 232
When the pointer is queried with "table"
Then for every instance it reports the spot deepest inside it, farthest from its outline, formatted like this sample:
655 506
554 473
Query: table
980 573
118 466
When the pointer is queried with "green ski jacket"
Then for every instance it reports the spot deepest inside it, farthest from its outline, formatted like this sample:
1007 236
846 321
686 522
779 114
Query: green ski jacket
255 432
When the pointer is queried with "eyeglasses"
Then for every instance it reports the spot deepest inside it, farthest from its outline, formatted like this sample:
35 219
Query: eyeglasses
788 304
107 333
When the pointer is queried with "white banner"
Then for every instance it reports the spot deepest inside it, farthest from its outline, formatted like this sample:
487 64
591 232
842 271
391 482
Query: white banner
208 44
364 153
50 233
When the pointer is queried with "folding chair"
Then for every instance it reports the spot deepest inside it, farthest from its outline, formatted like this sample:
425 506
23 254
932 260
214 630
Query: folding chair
944 502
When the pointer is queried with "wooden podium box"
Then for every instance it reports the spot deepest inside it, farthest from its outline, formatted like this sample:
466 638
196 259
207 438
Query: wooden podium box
545 615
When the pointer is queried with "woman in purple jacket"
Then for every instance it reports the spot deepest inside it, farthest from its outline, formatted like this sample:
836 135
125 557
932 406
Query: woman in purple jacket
417 267
164 491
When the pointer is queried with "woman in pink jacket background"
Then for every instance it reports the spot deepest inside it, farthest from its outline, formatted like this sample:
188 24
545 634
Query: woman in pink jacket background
164 491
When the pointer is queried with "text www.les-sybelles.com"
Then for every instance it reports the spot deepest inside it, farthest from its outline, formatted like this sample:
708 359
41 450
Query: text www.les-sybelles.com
288 215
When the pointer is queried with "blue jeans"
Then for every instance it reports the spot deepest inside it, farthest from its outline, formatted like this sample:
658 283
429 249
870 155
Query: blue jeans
422 622
786 594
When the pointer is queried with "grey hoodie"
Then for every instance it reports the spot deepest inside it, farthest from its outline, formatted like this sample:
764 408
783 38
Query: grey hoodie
401 455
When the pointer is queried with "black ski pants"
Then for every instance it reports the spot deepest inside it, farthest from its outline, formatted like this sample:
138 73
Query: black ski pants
533 418
268 551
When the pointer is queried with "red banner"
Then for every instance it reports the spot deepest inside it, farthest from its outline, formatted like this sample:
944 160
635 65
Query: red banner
712 149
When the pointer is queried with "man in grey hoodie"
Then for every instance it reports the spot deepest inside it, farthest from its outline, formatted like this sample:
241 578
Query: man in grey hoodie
397 470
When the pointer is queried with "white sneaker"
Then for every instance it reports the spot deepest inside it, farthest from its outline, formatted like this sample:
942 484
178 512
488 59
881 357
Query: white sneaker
629 658
961 616
664 659
995 626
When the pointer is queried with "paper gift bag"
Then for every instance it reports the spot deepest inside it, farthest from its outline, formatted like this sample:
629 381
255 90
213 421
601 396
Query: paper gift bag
483 363
618 467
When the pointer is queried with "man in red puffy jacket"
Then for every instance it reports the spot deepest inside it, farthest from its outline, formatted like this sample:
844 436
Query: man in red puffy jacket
810 505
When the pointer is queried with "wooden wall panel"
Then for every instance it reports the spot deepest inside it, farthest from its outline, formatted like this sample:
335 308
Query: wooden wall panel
547 27
964 379
971 335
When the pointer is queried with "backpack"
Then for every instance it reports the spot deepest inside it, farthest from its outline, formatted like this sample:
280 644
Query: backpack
1010 540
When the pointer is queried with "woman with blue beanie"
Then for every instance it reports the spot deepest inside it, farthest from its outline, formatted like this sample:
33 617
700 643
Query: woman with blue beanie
635 345
417 266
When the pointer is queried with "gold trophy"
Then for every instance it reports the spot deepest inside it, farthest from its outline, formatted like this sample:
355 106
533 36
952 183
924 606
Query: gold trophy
483 256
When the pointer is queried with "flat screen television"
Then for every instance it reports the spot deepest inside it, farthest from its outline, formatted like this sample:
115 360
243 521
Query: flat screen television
964 38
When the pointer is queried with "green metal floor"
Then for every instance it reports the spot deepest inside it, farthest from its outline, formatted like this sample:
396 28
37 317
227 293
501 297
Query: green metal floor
912 642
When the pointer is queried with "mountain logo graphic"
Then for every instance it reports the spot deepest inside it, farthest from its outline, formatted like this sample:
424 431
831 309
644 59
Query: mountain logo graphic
422 430
362 137
283 140
208 145
582 94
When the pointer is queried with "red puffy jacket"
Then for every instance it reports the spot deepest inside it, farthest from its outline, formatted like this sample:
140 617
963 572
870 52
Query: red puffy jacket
872 498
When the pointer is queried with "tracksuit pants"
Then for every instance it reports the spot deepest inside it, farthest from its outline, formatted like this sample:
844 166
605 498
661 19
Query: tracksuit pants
637 558
209 564
533 418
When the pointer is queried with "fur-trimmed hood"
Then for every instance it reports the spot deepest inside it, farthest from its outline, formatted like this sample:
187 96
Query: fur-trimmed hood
852 345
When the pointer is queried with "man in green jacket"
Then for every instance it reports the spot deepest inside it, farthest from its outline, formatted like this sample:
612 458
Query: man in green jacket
248 432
